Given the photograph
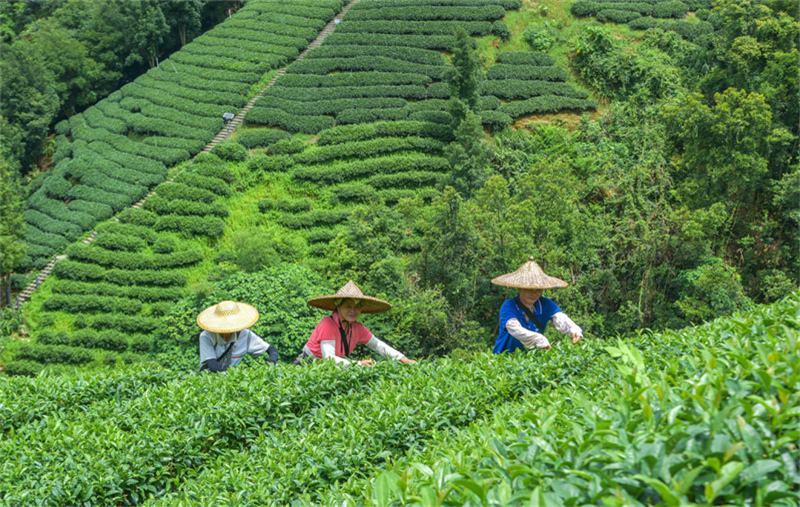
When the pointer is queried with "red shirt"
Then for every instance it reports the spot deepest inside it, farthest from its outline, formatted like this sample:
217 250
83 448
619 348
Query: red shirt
328 329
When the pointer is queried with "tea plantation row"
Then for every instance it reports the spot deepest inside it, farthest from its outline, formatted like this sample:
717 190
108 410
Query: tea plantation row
668 15
108 156
113 290
704 415
378 66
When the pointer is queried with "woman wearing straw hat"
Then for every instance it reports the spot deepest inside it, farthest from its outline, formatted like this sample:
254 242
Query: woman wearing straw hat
524 317
337 335
226 339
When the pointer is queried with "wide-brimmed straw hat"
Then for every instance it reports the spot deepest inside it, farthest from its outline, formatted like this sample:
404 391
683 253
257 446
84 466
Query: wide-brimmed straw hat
530 276
350 291
227 317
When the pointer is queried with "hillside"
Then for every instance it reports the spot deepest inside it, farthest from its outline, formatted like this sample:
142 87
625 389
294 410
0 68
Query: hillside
700 416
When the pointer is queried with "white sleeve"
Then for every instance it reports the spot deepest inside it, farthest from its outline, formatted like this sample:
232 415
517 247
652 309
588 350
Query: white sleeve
528 338
383 348
329 352
565 325
207 346
257 344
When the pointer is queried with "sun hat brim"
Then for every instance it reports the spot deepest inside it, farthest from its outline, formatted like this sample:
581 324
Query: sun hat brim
350 291
530 276
210 321
368 304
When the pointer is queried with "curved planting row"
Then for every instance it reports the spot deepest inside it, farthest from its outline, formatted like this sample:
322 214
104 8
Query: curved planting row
108 156
353 164
109 294
701 416
667 15
382 59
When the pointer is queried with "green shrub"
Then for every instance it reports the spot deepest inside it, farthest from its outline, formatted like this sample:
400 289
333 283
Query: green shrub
22 368
501 30
165 245
111 241
230 151
141 344
53 354
260 138
265 163
52 337
670 9
106 340
617 16
539 37
207 225
217 186
286 147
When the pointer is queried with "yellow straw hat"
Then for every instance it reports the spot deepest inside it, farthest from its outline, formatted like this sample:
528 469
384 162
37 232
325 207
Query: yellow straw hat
350 291
530 276
227 317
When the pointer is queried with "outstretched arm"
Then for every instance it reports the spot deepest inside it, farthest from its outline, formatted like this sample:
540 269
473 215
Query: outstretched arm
565 325
528 338
328 348
272 355
385 350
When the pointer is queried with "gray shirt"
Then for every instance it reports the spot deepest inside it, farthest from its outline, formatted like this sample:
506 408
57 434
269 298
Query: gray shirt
245 342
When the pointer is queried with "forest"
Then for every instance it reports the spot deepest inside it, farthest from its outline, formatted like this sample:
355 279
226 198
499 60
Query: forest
644 152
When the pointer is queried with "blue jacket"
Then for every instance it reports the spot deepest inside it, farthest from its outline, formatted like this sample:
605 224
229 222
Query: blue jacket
543 309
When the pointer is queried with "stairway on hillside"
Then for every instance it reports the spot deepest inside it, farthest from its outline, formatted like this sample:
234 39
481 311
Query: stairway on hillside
220 137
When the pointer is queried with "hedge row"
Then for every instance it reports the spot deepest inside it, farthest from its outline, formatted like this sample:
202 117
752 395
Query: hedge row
353 116
172 190
154 96
267 163
382 4
305 124
368 148
87 193
122 143
496 119
341 172
53 354
411 179
135 104
99 181
162 206
292 19
78 303
128 291
315 218
89 160
176 143
127 160
73 270
210 73
213 170
201 226
545 104
322 9
178 90
59 211
285 205
224 31
437 42
106 340
414 92
252 138
542 73
424 13
215 185
123 242
51 225
306 33
287 147
687 29
199 83
130 261
122 323
114 227
325 66
35 236
474 28
351 133
519 89
414 55
95 118
232 65
663 9
531 58
351 80
98 210
277 55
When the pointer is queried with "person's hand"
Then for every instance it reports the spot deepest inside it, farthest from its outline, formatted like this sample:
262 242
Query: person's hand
546 348
576 338
406 360
366 362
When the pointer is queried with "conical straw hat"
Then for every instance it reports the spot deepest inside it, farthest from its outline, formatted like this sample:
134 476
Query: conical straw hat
350 291
530 276
227 317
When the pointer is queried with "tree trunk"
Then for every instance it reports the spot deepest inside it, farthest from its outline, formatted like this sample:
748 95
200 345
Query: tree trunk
182 33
